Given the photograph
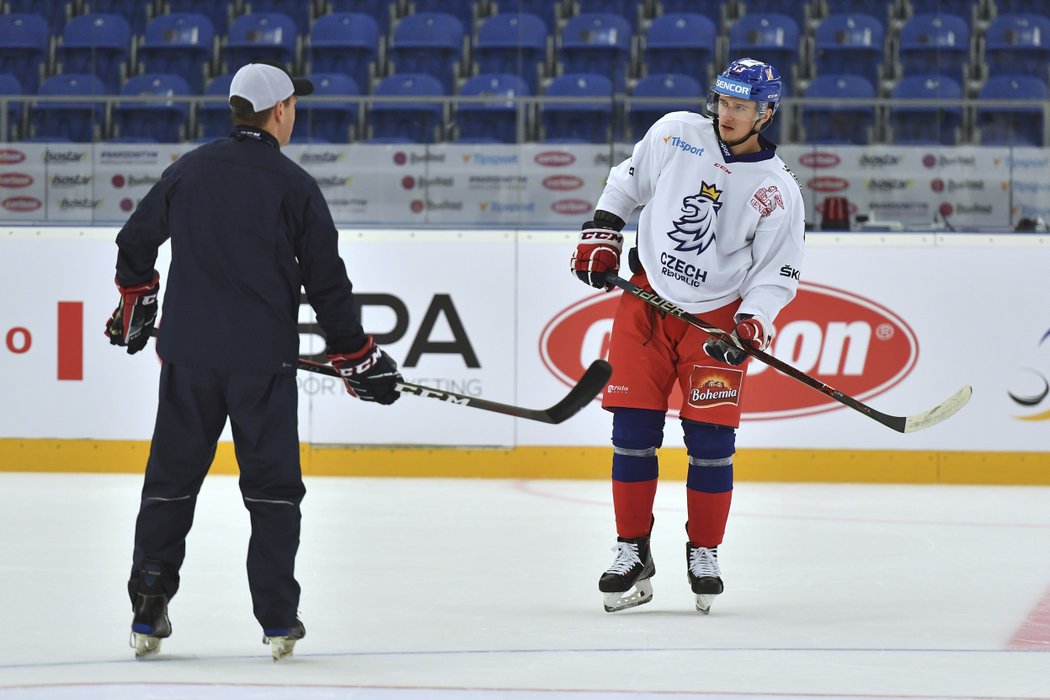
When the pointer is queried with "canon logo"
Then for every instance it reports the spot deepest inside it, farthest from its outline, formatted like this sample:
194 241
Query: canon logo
563 182
9 156
853 343
554 159
819 159
21 204
572 206
827 183
14 180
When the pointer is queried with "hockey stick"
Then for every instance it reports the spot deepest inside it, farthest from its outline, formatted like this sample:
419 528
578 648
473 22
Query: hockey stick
902 424
582 393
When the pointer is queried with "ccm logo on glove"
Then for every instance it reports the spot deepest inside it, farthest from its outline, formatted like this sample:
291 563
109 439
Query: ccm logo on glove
597 252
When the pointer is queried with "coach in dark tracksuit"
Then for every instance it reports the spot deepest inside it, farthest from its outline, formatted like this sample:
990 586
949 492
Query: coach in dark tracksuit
248 228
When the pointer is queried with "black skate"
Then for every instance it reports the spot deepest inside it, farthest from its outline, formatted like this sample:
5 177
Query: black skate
632 570
150 623
282 639
705 577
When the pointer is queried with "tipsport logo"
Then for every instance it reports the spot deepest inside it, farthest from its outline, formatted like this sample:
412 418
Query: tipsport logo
694 230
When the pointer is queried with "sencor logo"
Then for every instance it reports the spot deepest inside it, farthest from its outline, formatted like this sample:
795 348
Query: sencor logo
14 180
563 182
21 204
827 183
848 341
572 206
554 159
819 159
9 156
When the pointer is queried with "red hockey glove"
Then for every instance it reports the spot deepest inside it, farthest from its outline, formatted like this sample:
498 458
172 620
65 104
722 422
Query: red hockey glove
133 319
597 252
369 374
749 331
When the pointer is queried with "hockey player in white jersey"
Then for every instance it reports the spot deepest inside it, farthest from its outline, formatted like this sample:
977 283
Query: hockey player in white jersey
722 234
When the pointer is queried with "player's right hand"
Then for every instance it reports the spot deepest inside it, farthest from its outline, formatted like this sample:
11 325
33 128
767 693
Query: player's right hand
131 322
749 331
597 252
369 374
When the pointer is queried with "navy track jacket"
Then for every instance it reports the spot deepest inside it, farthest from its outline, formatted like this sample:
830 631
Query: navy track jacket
248 228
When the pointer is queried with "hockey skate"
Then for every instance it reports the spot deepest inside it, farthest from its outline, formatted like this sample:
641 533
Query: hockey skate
705 577
632 569
150 623
282 639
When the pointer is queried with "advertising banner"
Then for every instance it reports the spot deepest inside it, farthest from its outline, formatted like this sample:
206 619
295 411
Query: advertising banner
895 322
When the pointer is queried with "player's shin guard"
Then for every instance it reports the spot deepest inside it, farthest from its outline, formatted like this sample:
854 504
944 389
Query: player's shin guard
709 492
636 436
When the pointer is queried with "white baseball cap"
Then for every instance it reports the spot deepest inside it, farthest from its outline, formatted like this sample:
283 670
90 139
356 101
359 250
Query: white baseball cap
265 85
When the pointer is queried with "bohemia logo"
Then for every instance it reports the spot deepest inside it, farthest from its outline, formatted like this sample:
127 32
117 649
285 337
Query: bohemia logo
714 386
843 339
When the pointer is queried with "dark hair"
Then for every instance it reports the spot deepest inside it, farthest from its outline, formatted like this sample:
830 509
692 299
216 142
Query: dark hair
242 112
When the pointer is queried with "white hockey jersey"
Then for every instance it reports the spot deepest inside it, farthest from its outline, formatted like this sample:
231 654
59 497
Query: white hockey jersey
715 227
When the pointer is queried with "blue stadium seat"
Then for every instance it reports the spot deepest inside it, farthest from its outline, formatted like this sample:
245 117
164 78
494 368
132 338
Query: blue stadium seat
218 12
463 10
430 43
926 124
1018 45
407 122
578 122
597 43
963 8
771 38
135 12
935 43
76 120
879 9
296 10
345 42
682 92
181 43
630 10
547 10
382 11
262 36
330 122
9 85
153 122
1018 125
24 46
714 10
98 44
54 12
1035 7
213 118
839 124
796 10
495 121
850 44
680 42
512 43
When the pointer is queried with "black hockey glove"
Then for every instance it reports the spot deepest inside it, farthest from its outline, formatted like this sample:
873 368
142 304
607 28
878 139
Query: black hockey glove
369 374
133 319
749 331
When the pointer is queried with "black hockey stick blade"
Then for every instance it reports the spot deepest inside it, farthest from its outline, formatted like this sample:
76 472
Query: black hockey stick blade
902 424
582 393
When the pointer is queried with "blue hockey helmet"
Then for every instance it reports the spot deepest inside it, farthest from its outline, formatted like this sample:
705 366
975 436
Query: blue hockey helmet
748 79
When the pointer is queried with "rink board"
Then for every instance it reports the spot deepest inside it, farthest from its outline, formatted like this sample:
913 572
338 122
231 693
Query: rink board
900 321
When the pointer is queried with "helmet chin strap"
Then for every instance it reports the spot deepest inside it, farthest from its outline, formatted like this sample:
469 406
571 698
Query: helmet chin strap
746 136
741 140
